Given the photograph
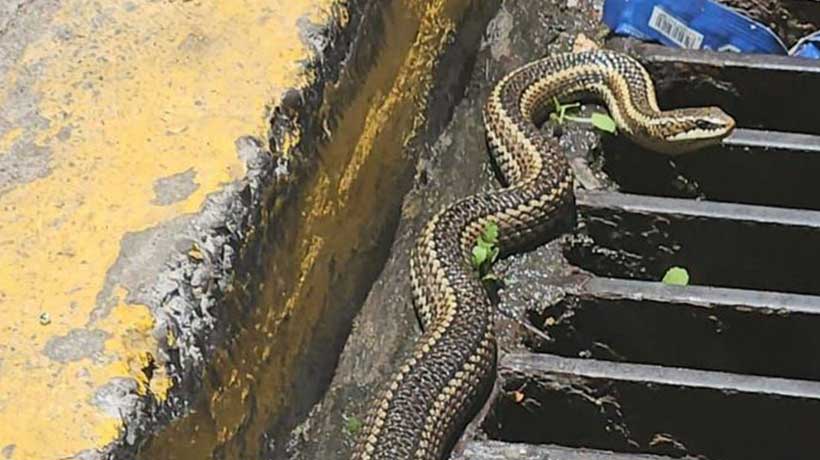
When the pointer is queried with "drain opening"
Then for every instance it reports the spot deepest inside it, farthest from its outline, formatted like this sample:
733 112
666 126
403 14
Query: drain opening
667 411
752 167
720 244
739 331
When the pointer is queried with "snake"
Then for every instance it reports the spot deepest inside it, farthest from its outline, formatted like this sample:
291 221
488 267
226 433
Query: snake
436 390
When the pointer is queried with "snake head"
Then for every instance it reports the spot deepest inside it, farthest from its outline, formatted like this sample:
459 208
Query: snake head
693 129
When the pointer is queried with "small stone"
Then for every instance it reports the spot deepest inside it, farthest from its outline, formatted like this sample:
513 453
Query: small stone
584 43
45 318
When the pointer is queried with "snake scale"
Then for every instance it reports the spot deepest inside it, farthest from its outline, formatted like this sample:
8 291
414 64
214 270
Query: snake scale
430 398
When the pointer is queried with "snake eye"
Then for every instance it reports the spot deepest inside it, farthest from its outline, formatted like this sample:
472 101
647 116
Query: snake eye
705 124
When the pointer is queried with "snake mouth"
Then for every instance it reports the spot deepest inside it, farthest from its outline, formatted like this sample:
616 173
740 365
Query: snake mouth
699 127
707 136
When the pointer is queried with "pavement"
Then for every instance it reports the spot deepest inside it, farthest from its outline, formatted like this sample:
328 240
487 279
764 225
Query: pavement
125 128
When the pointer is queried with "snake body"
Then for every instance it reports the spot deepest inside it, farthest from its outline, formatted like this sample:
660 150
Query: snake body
437 389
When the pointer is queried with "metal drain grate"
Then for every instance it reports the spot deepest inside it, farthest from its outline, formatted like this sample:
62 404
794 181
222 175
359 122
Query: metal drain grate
726 372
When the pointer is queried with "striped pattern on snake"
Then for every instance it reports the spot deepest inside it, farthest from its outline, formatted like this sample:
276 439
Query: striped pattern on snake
438 388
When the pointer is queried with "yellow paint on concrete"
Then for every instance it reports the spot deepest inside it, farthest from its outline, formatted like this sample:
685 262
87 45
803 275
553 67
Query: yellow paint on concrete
306 266
412 85
147 89
8 139
133 346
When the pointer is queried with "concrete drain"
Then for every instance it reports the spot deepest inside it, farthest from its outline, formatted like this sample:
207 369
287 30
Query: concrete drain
727 369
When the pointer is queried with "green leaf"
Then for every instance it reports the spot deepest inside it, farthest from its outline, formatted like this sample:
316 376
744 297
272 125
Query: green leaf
603 122
485 250
353 425
480 254
490 233
494 254
677 276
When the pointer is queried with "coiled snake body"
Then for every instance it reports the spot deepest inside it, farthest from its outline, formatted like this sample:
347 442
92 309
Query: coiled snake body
435 391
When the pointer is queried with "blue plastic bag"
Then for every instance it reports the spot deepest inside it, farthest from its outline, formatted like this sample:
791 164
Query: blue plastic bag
693 24
807 47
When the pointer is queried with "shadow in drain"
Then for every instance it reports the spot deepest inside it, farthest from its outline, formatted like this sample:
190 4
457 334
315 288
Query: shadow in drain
720 244
751 175
647 409
757 333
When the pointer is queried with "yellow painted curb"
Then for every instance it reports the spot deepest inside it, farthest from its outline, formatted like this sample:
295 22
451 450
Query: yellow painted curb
124 95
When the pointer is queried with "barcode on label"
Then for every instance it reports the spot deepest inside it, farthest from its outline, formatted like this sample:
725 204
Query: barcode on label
671 28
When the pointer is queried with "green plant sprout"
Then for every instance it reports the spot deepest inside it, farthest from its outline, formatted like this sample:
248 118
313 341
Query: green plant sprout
485 251
353 425
677 276
599 120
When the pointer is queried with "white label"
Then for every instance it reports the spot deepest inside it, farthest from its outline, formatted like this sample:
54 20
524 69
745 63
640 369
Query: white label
675 30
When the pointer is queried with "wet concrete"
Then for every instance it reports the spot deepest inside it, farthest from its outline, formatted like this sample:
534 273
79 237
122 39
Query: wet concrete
493 450
453 165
